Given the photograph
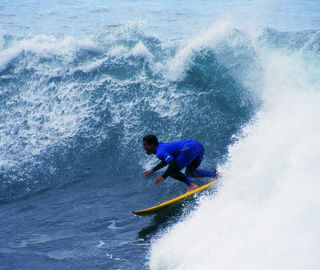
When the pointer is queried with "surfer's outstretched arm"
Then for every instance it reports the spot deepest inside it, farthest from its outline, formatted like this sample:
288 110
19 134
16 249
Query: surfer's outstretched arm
155 168
147 172
159 166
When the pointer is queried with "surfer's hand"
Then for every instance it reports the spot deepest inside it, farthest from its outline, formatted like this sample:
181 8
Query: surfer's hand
159 179
147 172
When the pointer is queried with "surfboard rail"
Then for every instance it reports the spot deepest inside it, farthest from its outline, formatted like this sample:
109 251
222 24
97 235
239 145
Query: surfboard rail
156 209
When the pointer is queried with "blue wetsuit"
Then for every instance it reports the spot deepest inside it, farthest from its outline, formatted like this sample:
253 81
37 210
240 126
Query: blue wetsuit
179 155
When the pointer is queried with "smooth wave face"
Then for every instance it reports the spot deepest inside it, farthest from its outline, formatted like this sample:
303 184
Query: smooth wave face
265 213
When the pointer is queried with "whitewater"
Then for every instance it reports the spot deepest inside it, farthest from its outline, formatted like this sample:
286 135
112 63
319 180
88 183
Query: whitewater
265 215
82 82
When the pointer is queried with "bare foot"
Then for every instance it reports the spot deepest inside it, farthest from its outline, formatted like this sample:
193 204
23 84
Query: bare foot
192 187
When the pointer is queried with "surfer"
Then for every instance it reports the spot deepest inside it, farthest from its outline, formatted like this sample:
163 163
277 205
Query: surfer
177 155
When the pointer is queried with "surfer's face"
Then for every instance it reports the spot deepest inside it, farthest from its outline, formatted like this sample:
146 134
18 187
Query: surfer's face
149 148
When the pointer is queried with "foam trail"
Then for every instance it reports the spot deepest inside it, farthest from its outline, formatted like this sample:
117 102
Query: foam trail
266 214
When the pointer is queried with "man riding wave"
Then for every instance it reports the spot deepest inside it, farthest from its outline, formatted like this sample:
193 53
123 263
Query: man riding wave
177 155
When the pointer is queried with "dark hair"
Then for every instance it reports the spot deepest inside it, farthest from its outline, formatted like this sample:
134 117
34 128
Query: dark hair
151 139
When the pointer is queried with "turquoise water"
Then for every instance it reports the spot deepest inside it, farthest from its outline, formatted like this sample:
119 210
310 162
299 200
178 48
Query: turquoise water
81 82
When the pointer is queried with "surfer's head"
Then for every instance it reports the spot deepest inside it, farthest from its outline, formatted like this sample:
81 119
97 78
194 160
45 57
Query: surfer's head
150 143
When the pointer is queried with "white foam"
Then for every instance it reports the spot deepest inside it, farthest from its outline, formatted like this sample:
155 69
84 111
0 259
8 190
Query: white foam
113 225
141 50
266 213
177 65
93 65
41 115
118 51
44 45
34 122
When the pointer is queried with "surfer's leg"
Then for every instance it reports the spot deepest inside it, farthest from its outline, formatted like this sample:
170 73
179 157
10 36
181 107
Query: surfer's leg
189 153
175 173
192 167
193 171
202 173
184 179
181 177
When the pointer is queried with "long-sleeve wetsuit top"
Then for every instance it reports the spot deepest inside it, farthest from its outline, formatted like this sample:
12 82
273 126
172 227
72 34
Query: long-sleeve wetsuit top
167 153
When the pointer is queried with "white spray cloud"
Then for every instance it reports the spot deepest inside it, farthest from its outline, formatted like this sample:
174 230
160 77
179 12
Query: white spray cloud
265 215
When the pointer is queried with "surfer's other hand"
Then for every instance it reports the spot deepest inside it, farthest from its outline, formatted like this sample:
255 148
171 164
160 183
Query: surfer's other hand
159 179
147 172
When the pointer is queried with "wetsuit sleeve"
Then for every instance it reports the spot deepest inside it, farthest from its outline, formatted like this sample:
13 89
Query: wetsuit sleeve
165 156
160 165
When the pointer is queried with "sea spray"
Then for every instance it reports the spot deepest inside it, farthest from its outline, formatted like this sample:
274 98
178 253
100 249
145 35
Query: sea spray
265 215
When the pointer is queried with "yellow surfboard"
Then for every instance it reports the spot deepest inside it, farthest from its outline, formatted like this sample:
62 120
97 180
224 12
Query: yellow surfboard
156 209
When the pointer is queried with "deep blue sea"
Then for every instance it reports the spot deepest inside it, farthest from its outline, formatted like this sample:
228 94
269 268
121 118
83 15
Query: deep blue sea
81 82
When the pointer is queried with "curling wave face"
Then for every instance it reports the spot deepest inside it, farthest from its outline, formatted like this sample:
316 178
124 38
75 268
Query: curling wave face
72 104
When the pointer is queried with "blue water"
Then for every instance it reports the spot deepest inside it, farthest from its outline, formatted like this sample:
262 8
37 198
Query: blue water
81 82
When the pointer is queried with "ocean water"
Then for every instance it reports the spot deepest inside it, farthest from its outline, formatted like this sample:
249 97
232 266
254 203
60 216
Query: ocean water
81 82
